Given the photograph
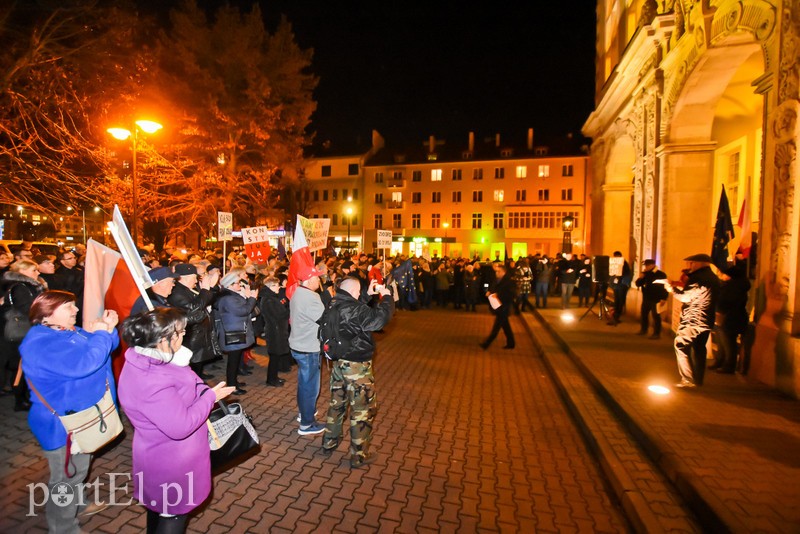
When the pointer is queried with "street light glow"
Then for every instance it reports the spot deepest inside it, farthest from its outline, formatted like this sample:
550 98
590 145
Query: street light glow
658 390
119 133
149 126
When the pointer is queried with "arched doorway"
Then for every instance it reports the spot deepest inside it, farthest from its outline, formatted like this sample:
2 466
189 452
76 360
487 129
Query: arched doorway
714 139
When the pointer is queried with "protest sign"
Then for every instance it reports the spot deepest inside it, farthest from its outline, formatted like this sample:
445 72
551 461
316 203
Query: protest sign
384 239
224 226
316 232
256 243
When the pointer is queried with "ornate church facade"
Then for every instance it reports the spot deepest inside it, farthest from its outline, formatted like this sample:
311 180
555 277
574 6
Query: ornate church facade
693 96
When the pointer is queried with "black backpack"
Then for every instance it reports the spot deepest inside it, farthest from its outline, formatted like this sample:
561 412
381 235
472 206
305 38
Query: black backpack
331 343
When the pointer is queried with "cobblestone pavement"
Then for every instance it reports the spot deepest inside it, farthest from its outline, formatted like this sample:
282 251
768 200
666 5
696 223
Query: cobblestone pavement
731 447
469 441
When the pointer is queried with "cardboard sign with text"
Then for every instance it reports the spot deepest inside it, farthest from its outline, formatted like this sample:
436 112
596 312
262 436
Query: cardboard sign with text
224 226
256 243
316 232
384 239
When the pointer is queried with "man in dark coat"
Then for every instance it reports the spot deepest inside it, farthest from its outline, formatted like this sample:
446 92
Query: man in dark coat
732 308
163 282
69 277
653 292
620 283
194 301
352 381
504 291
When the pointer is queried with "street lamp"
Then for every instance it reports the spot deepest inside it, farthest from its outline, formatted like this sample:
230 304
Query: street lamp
122 134
349 217
567 224
446 226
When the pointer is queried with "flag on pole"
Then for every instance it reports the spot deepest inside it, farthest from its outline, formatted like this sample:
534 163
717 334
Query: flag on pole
723 233
301 266
744 224
108 286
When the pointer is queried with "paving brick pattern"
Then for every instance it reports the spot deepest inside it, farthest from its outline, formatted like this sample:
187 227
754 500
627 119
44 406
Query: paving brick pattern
731 446
469 441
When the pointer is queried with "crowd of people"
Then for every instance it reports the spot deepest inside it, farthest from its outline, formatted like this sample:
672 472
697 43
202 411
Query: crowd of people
205 309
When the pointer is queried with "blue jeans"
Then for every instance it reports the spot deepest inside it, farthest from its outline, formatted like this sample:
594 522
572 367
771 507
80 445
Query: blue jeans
541 293
308 369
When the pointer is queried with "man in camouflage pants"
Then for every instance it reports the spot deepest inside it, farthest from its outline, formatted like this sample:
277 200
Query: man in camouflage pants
352 381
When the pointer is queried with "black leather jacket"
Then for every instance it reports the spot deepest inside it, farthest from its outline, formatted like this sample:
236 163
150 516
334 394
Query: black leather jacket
357 321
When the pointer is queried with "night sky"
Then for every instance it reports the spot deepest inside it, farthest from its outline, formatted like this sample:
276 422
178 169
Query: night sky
412 69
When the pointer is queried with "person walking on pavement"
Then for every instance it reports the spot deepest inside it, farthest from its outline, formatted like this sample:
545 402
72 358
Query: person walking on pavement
504 292
352 381
620 284
305 309
653 292
699 298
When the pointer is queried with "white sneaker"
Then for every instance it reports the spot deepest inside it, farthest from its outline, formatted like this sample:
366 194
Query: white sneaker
298 416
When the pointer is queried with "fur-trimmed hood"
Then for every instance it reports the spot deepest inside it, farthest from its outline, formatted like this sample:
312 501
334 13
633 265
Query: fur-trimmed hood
10 278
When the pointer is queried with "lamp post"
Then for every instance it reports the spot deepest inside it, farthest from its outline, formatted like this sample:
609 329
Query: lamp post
122 134
349 217
567 224
446 226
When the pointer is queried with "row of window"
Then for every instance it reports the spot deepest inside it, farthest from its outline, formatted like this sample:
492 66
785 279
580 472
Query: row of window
335 219
477 196
334 195
352 170
477 173
516 219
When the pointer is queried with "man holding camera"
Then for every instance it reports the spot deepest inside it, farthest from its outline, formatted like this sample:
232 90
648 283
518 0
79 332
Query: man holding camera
352 381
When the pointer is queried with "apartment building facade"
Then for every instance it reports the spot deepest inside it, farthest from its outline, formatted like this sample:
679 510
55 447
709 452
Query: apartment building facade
486 200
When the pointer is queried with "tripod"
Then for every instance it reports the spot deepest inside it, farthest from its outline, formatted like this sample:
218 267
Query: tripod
599 295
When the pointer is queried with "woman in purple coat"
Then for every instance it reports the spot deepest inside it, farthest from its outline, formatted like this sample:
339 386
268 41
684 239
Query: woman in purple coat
168 405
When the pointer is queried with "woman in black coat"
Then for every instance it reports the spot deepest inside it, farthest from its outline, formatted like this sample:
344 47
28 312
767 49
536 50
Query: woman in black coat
276 330
20 286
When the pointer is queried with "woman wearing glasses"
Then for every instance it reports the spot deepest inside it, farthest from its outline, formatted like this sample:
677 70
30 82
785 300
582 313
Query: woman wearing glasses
168 405
232 315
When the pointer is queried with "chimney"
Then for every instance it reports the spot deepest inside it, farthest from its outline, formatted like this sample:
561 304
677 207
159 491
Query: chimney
530 139
377 140
472 141
497 140
431 144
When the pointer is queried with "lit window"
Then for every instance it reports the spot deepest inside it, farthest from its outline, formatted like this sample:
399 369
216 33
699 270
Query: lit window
544 171
436 175
397 196
522 171
498 195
